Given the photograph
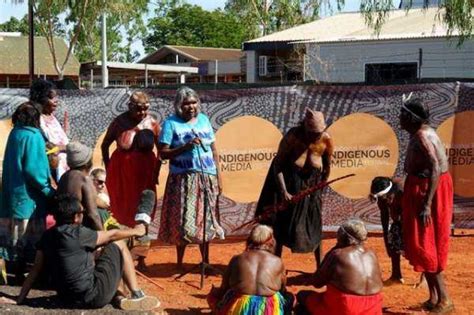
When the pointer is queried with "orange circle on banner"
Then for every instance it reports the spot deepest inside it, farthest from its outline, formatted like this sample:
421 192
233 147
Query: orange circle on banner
366 146
457 134
5 127
246 147
97 162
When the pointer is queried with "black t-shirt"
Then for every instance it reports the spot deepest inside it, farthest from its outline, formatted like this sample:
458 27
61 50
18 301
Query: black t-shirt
68 251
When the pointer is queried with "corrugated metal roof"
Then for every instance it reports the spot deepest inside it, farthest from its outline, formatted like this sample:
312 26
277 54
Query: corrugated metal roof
14 56
350 26
194 53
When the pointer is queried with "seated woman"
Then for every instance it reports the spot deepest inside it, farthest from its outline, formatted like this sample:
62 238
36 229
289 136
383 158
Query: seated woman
254 282
352 276
98 176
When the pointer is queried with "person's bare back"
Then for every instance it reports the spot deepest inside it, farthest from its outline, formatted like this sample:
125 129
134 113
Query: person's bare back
356 271
425 148
77 184
349 266
256 272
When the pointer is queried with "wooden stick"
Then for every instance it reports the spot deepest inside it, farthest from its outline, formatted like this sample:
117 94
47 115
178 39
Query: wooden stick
284 204
149 279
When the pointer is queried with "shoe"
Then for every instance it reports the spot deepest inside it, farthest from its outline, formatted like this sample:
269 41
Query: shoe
146 206
139 302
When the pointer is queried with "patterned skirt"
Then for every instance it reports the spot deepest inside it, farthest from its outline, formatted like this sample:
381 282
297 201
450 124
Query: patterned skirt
240 304
186 198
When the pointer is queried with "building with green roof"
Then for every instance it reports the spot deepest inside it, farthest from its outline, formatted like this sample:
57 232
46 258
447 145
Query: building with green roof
14 69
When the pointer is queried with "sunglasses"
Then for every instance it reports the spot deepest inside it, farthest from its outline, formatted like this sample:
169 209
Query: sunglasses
100 182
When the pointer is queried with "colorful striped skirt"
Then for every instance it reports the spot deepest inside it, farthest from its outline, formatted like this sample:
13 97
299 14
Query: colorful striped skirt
241 304
182 215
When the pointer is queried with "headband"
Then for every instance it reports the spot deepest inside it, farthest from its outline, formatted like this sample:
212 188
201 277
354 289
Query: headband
350 235
411 112
52 150
382 192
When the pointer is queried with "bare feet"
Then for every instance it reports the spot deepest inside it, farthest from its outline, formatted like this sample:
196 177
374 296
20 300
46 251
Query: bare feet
428 305
443 307
393 281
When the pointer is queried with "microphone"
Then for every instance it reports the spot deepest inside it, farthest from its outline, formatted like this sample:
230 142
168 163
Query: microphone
197 136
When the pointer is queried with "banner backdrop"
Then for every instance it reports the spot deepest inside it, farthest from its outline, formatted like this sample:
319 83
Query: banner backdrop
249 123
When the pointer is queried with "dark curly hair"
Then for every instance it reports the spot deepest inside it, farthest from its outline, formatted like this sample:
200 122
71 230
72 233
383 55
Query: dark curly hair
39 91
26 115
66 208
380 183
417 107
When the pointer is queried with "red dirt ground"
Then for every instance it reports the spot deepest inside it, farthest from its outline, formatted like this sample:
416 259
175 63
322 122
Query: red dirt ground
184 296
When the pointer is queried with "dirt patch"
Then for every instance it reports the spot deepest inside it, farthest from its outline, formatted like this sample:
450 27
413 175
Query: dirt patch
185 297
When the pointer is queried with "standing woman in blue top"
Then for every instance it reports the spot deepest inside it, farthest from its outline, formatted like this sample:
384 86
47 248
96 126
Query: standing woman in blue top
187 140
25 188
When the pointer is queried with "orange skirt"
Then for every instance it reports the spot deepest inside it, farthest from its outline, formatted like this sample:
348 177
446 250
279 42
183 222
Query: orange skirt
426 248
128 174
335 302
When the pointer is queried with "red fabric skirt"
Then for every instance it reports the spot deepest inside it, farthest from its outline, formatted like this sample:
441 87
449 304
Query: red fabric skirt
426 248
128 174
335 302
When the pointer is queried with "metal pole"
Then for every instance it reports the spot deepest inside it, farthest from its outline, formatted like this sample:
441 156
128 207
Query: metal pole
105 72
92 78
304 67
216 74
31 41
146 75
178 77
420 62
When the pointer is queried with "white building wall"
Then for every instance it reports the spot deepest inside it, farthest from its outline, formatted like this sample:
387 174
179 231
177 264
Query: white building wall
251 58
345 62
224 67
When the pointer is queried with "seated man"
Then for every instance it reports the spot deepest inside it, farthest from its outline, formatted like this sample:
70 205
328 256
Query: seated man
254 282
76 182
67 252
352 276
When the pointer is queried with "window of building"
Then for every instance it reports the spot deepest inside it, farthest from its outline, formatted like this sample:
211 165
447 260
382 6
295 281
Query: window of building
391 73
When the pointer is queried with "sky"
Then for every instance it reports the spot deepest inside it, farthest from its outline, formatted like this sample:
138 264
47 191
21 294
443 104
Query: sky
7 10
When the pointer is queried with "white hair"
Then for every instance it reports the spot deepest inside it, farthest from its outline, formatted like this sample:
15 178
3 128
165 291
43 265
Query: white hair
182 94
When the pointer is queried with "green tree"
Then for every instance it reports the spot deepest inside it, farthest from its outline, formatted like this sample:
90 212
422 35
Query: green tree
275 15
268 16
15 25
131 26
456 14
178 23
73 19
